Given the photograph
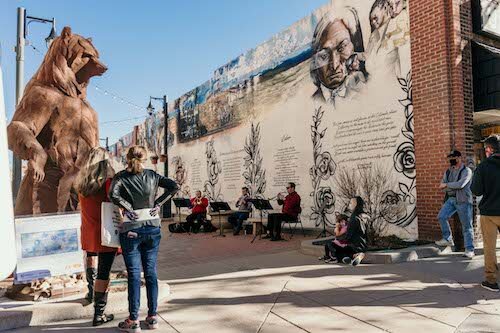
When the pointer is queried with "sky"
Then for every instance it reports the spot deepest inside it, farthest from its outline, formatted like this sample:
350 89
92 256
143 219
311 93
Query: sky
152 48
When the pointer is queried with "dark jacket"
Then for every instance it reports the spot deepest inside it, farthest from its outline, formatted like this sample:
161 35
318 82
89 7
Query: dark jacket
356 235
486 183
138 191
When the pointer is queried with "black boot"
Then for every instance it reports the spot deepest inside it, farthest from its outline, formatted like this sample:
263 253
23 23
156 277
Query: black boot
91 274
100 301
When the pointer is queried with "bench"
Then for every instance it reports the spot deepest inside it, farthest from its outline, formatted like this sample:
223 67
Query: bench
257 224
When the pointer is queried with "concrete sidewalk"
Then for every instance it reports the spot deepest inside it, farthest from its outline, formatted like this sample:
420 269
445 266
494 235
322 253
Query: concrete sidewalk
291 292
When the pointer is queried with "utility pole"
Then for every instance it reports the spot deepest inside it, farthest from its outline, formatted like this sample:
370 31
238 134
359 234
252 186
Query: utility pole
21 42
167 207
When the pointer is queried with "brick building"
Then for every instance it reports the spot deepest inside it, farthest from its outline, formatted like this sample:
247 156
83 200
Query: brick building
455 47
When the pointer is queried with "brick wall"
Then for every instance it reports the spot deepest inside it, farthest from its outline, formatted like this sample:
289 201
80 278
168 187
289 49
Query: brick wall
442 97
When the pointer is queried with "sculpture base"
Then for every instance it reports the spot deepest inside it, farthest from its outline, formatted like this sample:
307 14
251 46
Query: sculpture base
60 287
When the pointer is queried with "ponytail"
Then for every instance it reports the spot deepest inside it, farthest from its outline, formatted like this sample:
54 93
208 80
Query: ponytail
136 156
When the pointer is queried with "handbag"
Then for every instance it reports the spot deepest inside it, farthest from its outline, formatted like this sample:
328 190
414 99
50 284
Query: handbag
110 224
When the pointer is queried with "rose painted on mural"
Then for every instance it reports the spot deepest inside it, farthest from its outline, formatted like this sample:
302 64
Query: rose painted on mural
325 166
392 207
325 199
404 159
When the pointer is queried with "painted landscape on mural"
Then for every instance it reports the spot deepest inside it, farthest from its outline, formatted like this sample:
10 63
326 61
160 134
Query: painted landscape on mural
326 103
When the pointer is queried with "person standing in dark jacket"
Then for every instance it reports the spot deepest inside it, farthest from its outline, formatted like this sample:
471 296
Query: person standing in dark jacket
134 190
486 184
290 212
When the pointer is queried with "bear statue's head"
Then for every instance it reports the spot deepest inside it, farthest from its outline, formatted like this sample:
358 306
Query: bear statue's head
69 64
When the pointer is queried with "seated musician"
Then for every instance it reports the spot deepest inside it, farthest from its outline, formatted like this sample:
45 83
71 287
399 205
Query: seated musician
244 207
198 214
290 212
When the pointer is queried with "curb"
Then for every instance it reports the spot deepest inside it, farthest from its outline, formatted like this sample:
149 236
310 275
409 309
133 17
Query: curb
308 247
14 314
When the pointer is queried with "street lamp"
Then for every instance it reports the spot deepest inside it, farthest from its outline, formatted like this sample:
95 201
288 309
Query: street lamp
22 32
167 209
106 140
30 19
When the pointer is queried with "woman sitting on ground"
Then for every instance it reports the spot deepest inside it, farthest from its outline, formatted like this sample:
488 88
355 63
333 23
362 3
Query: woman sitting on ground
353 252
92 184
340 233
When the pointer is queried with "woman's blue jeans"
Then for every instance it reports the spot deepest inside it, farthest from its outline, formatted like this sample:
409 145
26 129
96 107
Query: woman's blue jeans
140 247
464 211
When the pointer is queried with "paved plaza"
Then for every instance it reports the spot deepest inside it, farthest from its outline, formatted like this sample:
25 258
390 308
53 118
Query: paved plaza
229 285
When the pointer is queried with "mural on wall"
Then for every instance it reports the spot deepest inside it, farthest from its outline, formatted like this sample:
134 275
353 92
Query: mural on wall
180 177
212 188
151 134
118 151
322 170
325 103
255 174
339 71
404 163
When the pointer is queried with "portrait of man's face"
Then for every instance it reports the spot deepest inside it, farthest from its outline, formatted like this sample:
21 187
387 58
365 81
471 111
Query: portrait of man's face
396 7
335 47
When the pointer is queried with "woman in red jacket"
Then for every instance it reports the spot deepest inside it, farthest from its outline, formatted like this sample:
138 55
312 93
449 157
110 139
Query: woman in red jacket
92 184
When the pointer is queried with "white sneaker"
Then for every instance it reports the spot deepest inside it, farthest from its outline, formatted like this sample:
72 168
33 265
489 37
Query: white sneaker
444 242
469 254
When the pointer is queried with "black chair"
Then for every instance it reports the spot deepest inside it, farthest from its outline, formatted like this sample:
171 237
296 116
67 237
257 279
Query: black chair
294 222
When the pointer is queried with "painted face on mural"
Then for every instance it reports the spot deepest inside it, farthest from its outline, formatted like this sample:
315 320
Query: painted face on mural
335 48
378 16
396 7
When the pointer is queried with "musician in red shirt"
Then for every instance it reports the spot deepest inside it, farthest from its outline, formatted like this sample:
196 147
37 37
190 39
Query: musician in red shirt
290 212
198 214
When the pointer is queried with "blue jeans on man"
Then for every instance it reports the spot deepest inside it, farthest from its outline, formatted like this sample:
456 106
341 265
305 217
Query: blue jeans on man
464 211
140 248
236 219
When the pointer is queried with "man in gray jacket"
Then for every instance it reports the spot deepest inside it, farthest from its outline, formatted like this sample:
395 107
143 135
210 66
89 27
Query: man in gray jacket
458 199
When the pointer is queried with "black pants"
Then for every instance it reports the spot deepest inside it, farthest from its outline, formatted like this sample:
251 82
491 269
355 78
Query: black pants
274 221
104 263
334 251
194 221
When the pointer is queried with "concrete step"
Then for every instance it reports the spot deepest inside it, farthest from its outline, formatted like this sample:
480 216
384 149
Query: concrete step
311 247
15 314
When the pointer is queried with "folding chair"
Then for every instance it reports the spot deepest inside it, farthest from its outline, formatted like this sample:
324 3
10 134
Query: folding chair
295 222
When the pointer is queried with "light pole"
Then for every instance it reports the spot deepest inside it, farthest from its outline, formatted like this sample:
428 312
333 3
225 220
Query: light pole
167 207
22 31
106 140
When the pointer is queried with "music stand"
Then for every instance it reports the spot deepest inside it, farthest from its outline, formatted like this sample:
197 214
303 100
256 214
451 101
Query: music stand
324 232
180 203
218 207
260 205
